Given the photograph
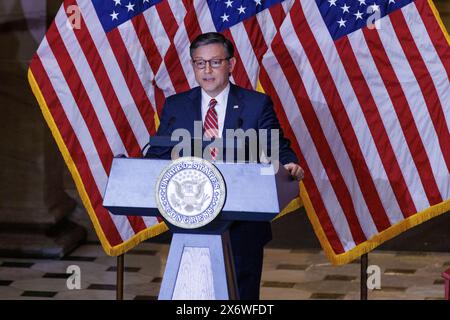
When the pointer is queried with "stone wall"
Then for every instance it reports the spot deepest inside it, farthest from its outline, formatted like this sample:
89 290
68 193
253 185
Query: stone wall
443 7
33 201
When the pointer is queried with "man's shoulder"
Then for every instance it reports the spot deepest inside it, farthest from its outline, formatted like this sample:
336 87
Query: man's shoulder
182 96
250 94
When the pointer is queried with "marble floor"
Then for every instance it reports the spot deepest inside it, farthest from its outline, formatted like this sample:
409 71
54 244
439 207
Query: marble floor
288 274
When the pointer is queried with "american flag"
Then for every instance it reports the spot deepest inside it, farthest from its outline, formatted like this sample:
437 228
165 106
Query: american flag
95 83
367 107
363 87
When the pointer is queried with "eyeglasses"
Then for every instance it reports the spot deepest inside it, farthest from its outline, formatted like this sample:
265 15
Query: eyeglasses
213 63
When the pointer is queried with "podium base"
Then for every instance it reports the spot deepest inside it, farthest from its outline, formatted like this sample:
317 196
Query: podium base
199 267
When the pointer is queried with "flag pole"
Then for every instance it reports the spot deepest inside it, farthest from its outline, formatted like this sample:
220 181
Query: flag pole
119 273
363 288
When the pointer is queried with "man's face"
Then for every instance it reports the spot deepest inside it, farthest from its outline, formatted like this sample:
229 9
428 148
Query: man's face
212 80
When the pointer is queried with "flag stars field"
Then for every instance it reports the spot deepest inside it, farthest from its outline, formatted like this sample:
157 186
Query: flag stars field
225 17
130 6
375 7
114 15
342 23
345 8
358 15
241 9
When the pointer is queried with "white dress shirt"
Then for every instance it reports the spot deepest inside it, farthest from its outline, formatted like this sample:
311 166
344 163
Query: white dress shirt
221 106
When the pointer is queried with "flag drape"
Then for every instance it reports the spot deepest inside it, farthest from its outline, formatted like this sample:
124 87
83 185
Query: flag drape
94 78
368 104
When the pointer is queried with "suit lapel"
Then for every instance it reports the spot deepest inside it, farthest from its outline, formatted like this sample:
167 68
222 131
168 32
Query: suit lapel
195 107
234 109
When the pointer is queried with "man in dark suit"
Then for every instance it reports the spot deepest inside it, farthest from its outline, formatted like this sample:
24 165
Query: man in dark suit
221 105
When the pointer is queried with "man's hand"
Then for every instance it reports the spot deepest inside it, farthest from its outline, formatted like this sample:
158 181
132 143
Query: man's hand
295 170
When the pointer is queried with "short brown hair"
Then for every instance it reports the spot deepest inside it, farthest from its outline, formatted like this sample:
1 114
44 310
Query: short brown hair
212 37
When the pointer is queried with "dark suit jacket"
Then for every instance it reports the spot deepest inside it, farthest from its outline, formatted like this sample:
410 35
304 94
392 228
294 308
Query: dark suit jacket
255 110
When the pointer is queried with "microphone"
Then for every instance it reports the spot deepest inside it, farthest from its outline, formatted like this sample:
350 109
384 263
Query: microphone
169 125
120 155
144 147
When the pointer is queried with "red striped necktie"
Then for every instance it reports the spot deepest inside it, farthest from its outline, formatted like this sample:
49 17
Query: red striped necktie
211 126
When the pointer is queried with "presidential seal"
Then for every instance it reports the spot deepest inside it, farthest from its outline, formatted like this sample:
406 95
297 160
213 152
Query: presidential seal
190 192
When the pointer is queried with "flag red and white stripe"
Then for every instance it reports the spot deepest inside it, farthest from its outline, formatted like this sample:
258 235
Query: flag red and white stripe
369 113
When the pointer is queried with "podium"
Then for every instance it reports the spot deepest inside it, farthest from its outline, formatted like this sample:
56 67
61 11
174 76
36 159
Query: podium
200 262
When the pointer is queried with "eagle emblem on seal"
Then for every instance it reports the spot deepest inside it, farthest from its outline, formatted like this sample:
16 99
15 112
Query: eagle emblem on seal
189 194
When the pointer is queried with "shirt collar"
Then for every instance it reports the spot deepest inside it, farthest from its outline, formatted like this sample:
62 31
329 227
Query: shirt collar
221 98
